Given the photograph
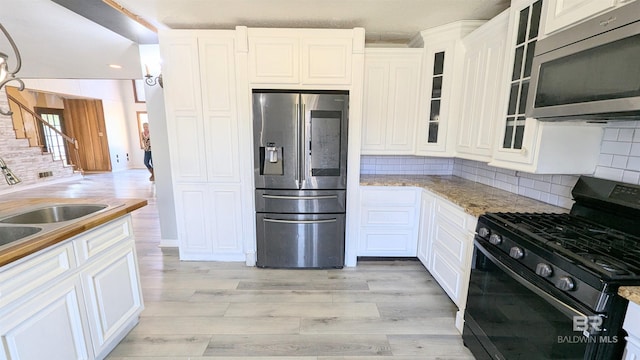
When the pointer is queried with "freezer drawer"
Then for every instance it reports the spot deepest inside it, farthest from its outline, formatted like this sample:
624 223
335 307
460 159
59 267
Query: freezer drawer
300 201
300 240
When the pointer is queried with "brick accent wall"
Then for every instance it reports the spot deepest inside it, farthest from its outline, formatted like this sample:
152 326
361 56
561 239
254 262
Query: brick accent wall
26 162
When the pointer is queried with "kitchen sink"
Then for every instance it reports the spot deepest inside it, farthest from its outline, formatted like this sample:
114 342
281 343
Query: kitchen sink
12 233
53 214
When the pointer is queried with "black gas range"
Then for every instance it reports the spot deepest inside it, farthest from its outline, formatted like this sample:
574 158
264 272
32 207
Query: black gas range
544 285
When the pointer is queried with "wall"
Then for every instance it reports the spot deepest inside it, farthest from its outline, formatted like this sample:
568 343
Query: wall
409 165
619 160
119 112
24 161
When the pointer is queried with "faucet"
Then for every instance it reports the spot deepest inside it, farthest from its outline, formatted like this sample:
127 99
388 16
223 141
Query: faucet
11 178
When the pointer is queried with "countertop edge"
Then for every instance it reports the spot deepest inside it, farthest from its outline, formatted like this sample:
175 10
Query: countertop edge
631 293
474 198
19 250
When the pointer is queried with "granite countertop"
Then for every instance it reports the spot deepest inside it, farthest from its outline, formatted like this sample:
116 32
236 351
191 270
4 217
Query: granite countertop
53 234
631 293
475 198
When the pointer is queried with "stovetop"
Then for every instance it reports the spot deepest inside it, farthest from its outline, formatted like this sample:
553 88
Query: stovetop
611 253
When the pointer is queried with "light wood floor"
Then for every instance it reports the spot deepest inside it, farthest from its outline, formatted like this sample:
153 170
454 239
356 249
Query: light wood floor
391 310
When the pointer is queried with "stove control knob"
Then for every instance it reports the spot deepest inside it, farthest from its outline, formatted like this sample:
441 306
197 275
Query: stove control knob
565 283
483 232
516 252
495 239
544 270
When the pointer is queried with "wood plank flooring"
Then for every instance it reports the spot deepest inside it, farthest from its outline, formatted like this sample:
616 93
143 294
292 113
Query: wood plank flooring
391 310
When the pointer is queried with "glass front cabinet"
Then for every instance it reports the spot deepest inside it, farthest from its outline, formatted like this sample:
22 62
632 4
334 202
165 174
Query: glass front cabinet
443 53
526 144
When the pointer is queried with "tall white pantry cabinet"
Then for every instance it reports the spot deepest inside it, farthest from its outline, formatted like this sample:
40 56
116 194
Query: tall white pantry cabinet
208 77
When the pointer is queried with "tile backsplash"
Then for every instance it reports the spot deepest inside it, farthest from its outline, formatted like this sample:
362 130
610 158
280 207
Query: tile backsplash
407 165
619 160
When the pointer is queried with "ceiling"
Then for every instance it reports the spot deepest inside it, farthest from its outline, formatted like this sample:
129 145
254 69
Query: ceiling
57 39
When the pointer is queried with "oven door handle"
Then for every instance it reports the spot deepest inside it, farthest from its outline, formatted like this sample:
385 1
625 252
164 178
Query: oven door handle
558 304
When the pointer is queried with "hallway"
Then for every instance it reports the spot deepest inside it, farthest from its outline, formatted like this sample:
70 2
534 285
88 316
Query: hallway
390 310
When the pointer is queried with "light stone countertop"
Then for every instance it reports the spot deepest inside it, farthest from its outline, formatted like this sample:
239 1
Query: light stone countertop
475 198
631 293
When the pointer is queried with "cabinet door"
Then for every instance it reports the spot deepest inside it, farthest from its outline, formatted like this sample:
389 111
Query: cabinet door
481 91
390 104
218 74
49 326
326 61
212 228
376 83
425 232
113 297
402 108
274 59
183 102
563 13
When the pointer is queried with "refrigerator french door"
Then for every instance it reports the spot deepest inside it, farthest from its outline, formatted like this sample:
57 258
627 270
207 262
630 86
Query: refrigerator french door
300 158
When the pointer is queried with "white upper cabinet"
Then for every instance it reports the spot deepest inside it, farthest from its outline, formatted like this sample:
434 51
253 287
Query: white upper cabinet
443 55
390 104
560 14
300 56
526 144
481 91
200 98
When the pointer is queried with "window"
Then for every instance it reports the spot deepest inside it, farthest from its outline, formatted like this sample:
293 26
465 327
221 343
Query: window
51 138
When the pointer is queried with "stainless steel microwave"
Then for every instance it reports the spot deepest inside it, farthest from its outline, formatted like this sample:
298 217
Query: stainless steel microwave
590 71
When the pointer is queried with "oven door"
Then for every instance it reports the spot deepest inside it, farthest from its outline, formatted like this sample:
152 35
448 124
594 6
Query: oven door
512 315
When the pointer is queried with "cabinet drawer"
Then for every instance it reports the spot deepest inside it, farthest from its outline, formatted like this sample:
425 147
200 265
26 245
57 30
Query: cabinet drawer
96 241
453 242
388 196
454 215
388 242
17 280
385 216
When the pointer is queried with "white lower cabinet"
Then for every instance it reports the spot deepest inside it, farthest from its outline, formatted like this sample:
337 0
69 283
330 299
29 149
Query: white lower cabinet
51 325
112 296
427 205
452 247
389 221
90 299
632 326
212 228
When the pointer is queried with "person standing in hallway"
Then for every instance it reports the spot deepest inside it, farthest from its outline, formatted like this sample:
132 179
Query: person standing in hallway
146 143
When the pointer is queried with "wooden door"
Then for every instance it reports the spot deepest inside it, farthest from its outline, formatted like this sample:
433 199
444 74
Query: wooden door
85 122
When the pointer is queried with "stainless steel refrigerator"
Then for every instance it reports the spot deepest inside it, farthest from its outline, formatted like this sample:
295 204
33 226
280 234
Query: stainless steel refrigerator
300 158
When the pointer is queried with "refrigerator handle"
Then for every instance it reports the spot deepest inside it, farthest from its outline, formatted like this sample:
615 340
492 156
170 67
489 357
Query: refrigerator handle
302 145
297 144
299 221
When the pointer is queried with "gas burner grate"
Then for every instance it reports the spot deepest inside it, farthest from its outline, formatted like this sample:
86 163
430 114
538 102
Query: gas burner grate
609 250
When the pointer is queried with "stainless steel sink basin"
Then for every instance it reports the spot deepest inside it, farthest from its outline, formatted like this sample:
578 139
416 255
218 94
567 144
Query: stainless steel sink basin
53 214
12 233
